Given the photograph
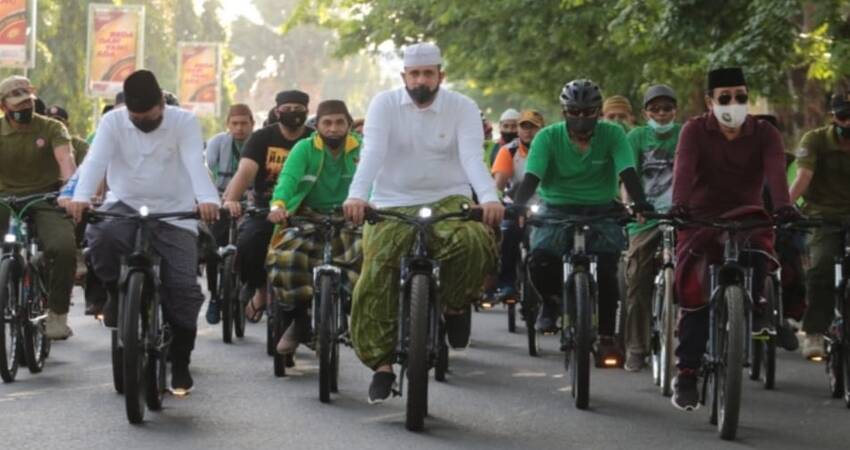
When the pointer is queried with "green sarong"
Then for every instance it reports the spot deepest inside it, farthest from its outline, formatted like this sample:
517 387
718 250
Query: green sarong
466 251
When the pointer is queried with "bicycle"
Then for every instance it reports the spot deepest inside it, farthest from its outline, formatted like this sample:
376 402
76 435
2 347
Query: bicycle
730 321
665 309
331 301
142 340
421 332
228 291
837 338
579 304
23 290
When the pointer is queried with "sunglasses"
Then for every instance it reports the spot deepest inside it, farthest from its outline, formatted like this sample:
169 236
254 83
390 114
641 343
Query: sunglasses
655 109
842 115
589 112
725 99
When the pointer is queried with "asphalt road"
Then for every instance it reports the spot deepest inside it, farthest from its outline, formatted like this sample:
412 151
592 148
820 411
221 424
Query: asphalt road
496 397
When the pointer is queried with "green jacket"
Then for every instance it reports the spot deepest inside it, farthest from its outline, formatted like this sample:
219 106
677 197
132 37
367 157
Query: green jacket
303 168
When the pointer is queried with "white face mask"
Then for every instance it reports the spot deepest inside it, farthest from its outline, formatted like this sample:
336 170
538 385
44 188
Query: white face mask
730 116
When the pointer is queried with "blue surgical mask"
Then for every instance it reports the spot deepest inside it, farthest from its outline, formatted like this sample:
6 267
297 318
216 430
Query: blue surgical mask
660 129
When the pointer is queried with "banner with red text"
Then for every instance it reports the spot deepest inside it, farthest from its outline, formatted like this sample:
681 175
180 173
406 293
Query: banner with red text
115 47
198 80
17 33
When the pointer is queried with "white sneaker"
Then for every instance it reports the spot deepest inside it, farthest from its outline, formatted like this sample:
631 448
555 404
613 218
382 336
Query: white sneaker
56 326
813 346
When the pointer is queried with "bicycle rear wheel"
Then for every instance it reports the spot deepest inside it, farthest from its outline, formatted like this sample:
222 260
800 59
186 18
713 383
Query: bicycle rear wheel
239 299
135 360
731 350
583 341
156 376
417 362
117 362
36 344
668 336
528 303
277 326
327 332
442 366
9 322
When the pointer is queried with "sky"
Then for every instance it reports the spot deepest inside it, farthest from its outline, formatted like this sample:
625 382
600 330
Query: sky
232 9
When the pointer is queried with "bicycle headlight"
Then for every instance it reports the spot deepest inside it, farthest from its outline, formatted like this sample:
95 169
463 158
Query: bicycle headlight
425 213
144 211
10 238
535 208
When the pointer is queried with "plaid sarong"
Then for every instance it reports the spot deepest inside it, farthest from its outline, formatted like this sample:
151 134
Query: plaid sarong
294 251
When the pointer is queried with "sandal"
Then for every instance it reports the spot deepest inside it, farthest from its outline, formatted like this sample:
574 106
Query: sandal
253 313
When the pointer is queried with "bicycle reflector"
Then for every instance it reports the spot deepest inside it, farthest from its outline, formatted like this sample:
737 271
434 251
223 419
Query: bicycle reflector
610 362
144 211
425 213
9 238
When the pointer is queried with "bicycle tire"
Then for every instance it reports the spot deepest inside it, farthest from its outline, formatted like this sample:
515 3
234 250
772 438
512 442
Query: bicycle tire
10 333
134 361
239 299
729 399
835 369
117 354
668 336
156 367
327 326
512 318
529 312
583 341
35 343
417 361
442 366
278 327
769 346
226 300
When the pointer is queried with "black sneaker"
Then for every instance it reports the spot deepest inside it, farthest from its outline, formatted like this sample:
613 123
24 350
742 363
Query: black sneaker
685 392
213 312
547 319
381 387
458 329
181 379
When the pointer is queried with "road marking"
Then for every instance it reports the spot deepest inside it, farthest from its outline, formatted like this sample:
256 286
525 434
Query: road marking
529 374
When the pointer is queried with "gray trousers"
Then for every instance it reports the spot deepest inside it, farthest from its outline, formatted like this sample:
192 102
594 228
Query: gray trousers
177 248
640 279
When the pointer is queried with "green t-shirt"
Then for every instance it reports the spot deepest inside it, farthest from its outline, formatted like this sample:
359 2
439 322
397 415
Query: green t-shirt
829 191
81 149
27 162
568 177
654 157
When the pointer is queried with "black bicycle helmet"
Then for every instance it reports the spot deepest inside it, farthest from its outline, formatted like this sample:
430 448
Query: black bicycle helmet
581 94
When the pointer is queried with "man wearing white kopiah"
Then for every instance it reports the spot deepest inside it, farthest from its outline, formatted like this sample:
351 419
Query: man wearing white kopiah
423 148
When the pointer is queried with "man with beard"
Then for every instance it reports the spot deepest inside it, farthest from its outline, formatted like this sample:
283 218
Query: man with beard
314 180
423 148
262 161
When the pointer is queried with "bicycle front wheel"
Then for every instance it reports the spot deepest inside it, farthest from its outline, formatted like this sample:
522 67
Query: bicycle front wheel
732 333
583 340
9 322
327 332
36 344
668 333
226 299
133 338
417 362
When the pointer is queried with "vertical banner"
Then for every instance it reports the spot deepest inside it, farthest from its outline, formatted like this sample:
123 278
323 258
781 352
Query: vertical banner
115 47
17 33
198 80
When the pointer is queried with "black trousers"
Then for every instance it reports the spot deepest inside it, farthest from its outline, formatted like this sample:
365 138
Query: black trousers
255 233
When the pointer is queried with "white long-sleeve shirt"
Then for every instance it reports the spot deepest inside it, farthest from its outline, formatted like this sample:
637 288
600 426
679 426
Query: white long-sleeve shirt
414 156
163 170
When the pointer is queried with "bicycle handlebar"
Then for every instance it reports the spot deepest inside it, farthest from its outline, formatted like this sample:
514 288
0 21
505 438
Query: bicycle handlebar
376 215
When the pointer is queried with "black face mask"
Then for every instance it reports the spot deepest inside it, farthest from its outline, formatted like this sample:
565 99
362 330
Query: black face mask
23 116
333 142
147 125
509 137
581 125
843 132
292 119
421 94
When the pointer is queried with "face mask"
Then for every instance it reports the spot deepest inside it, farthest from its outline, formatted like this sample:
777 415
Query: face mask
147 125
292 119
22 116
581 125
421 94
660 129
843 132
508 137
730 116
333 142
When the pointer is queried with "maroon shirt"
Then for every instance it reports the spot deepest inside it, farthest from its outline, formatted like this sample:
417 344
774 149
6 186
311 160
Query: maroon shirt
713 175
